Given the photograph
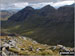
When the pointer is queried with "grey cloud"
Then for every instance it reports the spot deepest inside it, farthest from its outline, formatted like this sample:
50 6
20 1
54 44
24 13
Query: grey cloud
31 1
9 4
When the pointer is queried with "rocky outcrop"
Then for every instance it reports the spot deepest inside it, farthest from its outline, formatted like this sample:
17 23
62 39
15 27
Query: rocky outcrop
21 46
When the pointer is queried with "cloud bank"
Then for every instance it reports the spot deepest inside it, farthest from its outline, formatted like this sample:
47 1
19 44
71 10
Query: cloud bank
21 5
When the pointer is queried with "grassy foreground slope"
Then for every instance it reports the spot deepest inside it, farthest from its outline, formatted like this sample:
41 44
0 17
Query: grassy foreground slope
26 46
20 45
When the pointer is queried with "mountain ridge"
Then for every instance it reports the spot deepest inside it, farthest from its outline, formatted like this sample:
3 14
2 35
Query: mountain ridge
53 27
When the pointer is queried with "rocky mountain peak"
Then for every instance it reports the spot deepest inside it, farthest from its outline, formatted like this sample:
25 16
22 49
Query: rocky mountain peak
29 8
48 8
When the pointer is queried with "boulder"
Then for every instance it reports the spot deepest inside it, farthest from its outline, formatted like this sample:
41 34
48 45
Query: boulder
24 38
60 46
12 42
39 49
6 45
31 48
34 42
53 47
22 49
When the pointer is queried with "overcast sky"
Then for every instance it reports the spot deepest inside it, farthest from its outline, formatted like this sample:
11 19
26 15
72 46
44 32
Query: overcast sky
19 4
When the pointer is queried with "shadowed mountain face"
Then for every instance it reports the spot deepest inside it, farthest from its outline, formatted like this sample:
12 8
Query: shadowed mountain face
29 11
46 25
22 15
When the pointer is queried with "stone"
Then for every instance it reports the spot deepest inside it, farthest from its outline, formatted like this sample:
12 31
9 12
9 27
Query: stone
38 49
53 48
12 42
34 42
6 45
24 38
30 48
22 49
3 49
65 49
60 46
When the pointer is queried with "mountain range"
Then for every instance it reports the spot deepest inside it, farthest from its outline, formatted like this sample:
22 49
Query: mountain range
46 25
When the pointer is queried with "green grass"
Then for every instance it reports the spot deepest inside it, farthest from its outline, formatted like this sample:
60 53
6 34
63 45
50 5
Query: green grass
21 43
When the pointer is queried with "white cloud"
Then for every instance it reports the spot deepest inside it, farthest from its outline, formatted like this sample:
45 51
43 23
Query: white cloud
62 3
21 5
14 6
40 5
56 4
36 5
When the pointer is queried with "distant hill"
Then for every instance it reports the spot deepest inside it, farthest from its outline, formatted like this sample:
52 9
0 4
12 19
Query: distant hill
5 14
46 25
